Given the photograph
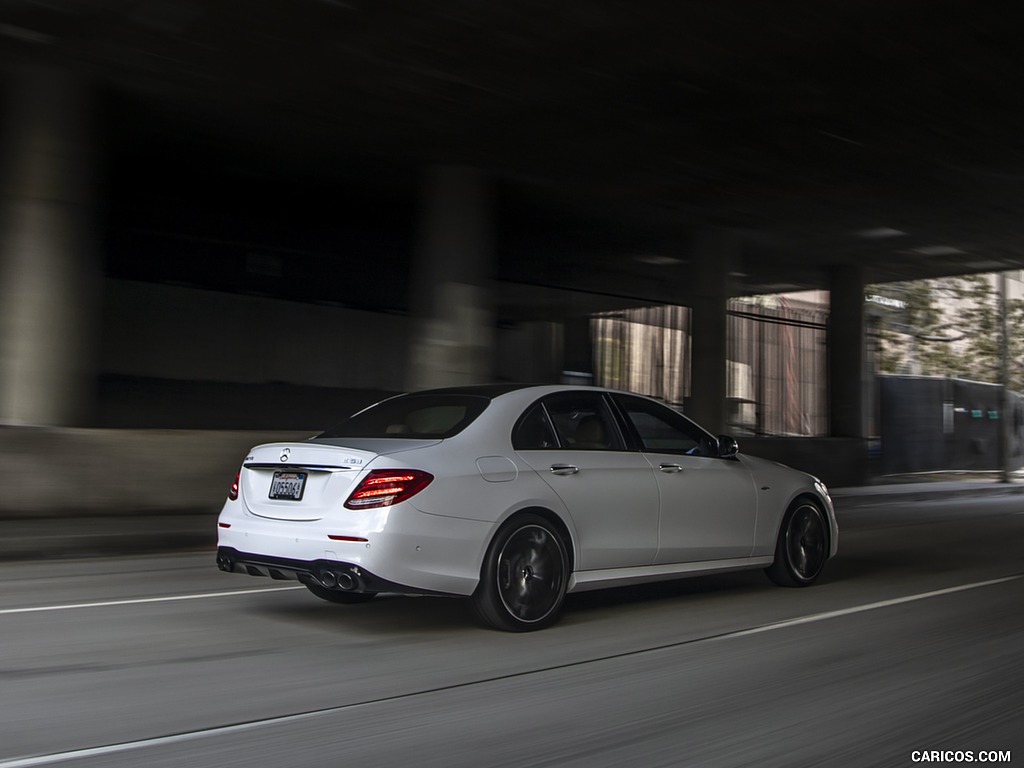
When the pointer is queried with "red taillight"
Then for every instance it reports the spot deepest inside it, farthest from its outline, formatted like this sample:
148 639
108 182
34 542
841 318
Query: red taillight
384 487
233 493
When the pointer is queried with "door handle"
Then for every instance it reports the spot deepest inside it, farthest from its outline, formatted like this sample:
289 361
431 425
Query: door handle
564 469
670 468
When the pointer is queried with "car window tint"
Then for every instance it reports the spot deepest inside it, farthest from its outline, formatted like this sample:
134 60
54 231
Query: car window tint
533 432
413 416
661 429
583 422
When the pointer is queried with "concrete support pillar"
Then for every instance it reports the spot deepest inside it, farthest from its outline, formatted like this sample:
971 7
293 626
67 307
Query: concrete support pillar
577 351
453 333
846 353
48 276
712 259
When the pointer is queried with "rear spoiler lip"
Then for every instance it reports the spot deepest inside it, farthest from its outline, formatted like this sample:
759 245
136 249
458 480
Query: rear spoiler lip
316 467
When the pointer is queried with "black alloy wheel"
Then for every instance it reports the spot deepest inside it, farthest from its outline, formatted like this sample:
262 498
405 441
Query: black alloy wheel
802 548
524 576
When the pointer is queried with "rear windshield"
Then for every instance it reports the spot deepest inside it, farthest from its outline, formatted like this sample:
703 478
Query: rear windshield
413 416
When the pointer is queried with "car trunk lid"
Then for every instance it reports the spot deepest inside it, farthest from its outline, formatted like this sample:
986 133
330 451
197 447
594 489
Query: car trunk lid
308 480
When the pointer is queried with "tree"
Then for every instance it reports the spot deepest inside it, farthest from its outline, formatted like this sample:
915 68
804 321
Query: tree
950 327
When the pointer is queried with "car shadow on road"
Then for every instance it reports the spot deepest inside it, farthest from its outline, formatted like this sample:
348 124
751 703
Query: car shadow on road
389 614
385 614
602 599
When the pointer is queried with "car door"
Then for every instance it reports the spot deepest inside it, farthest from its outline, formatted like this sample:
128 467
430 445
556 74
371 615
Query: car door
708 503
572 440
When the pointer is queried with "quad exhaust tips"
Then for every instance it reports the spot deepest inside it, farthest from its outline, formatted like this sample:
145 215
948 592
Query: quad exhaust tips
343 577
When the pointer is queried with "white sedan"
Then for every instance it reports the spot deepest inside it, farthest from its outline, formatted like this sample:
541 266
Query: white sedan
514 496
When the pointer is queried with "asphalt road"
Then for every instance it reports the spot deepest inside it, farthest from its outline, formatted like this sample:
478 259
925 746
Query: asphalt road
912 641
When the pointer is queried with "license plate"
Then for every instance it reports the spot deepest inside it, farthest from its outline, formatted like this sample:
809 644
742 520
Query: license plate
288 486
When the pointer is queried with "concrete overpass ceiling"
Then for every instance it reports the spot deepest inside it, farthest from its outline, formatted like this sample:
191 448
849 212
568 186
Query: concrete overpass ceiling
888 134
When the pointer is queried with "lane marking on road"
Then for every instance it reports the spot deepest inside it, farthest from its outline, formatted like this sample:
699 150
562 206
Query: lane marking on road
866 607
141 600
178 738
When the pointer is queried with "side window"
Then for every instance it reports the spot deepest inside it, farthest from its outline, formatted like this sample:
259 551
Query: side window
662 430
583 421
533 432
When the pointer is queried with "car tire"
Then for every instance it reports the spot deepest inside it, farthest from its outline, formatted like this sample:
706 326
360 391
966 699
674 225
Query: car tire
337 596
802 546
523 577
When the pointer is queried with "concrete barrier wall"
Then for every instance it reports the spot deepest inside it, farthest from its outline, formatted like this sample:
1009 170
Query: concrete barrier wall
87 472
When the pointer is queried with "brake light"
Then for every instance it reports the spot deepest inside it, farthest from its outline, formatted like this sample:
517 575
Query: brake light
233 493
384 487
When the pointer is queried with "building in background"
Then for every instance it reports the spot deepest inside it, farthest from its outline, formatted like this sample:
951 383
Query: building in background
777 357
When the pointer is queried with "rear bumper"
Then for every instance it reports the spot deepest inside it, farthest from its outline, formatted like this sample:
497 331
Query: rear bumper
410 551
329 574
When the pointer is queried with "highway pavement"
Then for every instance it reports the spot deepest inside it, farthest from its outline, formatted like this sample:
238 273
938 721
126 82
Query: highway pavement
910 645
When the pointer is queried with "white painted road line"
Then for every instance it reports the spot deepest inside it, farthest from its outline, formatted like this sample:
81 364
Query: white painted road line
140 600
27 762
868 607
58 757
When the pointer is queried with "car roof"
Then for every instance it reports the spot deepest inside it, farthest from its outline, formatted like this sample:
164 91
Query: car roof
493 391
480 390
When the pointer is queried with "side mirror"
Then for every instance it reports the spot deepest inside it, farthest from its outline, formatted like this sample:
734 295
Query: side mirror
727 447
